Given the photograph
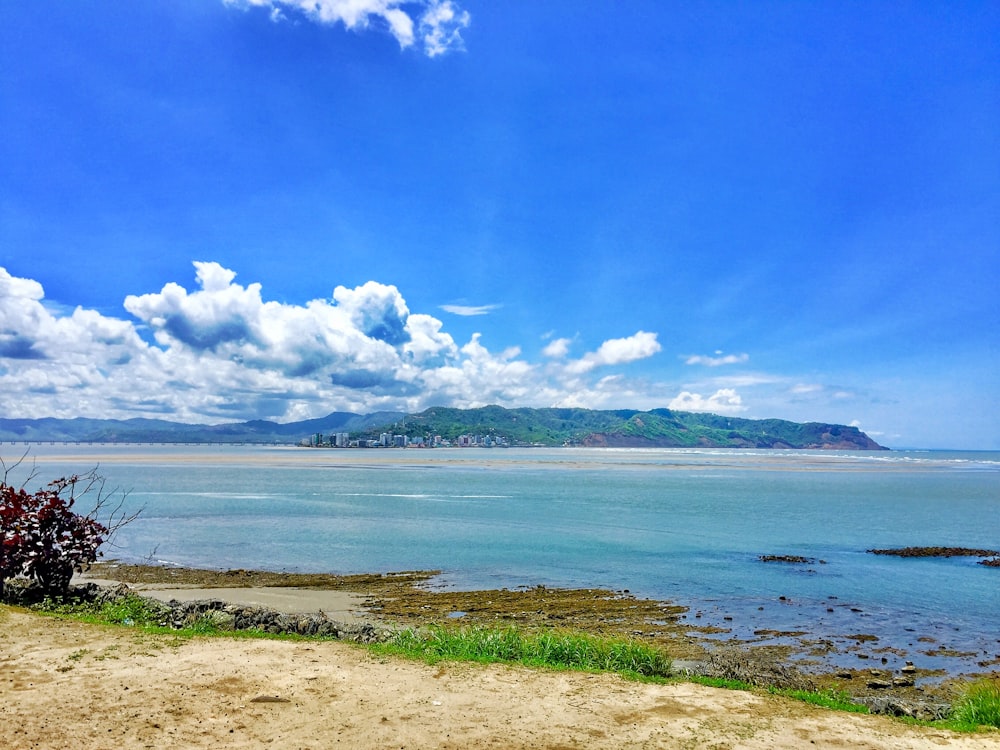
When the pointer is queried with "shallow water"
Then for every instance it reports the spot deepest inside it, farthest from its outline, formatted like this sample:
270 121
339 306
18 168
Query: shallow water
684 525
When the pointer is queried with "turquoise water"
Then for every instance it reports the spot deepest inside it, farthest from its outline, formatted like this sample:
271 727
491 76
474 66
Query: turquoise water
684 525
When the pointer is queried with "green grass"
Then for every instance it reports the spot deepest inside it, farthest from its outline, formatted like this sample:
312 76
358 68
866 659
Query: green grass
553 649
979 707
129 610
838 700
720 682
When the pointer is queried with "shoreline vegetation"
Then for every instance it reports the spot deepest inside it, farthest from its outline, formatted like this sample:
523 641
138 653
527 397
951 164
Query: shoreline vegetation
404 601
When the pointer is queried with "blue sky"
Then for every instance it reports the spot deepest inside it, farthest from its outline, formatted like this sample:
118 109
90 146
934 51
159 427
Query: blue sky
218 210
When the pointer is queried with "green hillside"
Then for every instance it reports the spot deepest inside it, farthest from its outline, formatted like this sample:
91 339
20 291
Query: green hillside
626 428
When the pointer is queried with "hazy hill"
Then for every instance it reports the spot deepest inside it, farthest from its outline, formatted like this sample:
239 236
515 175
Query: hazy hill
162 431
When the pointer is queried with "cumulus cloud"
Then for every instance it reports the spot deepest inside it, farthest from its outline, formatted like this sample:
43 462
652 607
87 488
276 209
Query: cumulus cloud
435 25
717 359
640 345
557 348
221 351
441 27
723 401
469 310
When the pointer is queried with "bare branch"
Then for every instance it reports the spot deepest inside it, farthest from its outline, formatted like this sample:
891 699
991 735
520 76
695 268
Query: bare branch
8 469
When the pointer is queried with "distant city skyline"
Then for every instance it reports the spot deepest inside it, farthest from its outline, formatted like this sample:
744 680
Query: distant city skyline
223 210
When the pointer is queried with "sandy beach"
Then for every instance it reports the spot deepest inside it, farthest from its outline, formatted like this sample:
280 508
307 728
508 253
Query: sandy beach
68 684
71 684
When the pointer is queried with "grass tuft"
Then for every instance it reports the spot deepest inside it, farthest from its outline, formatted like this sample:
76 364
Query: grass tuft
128 610
556 649
838 700
979 707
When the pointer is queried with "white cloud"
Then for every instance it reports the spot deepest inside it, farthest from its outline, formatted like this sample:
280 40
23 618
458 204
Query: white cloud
716 361
557 348
441 27
803 388
469 310
439 23
640 345
746 380
223 352
723 401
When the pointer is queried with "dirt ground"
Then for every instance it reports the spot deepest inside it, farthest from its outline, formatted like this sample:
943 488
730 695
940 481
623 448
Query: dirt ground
68 684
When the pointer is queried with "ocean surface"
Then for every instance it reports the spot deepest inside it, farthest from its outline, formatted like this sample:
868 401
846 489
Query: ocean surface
683 525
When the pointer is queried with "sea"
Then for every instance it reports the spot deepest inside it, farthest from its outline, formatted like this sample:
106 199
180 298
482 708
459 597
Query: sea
687 526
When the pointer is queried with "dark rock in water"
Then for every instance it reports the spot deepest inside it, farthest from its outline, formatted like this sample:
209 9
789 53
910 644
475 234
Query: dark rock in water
992 563
796 559
936 552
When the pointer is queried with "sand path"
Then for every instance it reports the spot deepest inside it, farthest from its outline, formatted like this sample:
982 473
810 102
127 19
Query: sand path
69 684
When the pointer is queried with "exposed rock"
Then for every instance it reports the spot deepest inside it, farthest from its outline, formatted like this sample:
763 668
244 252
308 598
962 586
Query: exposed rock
892 705
798 559
936 552
225 616
238 617
755 668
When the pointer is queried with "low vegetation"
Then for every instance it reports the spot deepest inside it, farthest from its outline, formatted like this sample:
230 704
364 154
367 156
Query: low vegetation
551 648
42 538
979 707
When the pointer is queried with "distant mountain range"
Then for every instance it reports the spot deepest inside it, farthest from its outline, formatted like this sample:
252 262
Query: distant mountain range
626 428
82 430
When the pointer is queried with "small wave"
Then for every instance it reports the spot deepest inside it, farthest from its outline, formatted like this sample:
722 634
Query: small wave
384 494
212 495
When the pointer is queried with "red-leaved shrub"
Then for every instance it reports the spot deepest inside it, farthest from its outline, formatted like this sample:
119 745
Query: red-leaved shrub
41 537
